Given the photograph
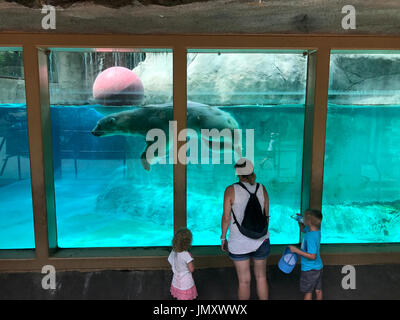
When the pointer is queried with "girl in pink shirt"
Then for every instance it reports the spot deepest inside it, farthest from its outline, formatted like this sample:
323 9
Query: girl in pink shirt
182 286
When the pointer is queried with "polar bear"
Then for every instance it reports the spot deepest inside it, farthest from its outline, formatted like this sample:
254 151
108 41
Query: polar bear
139 121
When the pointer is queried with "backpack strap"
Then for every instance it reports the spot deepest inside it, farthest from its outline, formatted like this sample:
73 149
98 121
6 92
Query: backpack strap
234 218
244 187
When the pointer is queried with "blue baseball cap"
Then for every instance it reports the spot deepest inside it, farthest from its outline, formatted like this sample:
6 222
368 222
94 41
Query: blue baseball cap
287 261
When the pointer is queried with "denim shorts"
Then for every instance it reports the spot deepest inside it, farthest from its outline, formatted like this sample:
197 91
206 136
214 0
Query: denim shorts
260 254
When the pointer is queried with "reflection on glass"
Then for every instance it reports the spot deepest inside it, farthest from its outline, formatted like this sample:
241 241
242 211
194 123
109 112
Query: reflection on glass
263 95
16 215
103 103
361 189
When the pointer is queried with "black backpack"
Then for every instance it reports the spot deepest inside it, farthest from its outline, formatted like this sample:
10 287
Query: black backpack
255 222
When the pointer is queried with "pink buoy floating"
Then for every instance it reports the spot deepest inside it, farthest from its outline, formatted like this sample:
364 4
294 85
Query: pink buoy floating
117 86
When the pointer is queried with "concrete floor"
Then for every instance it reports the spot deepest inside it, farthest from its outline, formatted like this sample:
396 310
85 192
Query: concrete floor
210 17
372 282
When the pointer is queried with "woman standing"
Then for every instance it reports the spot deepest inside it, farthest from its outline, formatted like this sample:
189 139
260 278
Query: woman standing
242 248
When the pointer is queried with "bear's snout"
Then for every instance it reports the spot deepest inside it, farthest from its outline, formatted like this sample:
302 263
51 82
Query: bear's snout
97 133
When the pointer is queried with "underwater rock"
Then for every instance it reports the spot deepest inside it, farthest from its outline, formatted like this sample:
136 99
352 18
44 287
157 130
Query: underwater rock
121 197
128 198
118 86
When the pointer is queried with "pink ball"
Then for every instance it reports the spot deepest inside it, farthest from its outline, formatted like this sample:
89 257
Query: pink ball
118 86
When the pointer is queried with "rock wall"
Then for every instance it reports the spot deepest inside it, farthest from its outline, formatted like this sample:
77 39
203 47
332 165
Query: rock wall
72 86
365 79
237 79
233 79
12 91
156 75
230 79
227 79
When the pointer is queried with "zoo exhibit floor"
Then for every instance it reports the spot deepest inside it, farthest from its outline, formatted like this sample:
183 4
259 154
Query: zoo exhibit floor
373 282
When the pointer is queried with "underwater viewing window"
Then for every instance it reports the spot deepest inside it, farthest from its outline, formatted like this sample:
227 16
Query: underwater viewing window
260 95
16 214
103 102
361 190
82 186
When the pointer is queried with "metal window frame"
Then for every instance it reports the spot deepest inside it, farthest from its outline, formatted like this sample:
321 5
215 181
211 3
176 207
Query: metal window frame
35 46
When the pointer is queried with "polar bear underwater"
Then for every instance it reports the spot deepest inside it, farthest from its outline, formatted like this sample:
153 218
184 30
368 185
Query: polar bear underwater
140 120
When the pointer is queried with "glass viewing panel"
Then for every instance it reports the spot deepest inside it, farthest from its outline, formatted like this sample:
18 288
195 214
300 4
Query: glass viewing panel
263 95
361 191
103 103
16 214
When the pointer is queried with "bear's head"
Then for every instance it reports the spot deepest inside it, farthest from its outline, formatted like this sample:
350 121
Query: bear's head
106 126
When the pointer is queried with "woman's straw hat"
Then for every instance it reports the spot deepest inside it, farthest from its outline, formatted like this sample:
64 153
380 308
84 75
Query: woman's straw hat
244 167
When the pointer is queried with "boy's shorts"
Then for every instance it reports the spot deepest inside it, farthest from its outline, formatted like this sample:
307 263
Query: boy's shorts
310 280
260 254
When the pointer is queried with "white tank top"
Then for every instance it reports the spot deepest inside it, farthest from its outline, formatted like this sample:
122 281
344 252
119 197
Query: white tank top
237 242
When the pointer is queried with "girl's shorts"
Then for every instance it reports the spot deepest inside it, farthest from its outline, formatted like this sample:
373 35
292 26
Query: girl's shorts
260 254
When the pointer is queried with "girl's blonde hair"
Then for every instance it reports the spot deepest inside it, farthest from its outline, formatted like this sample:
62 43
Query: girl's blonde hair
182 240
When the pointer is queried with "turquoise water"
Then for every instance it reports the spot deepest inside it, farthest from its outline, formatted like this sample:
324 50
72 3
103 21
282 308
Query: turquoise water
104 197
362 174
